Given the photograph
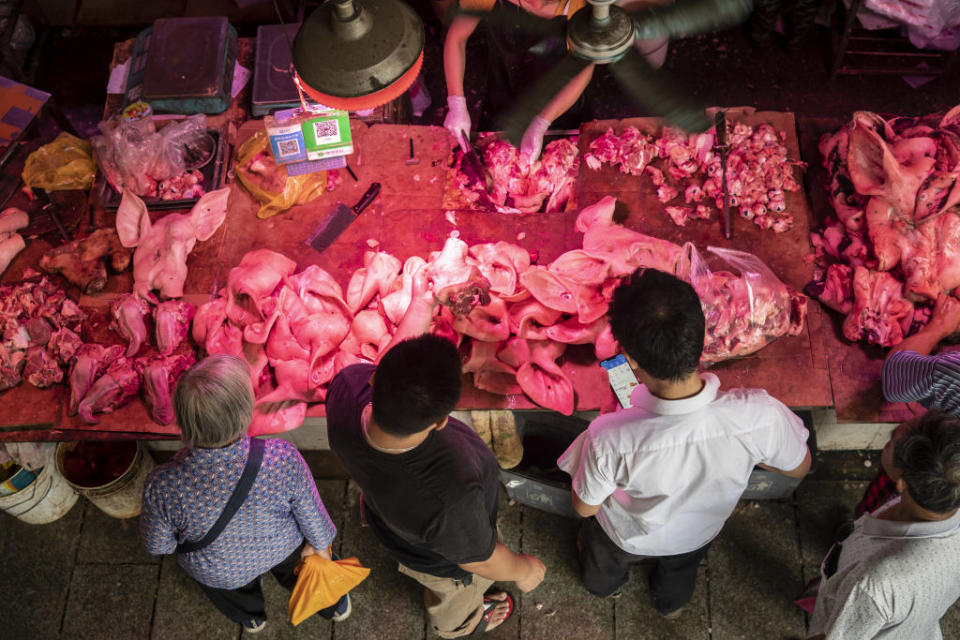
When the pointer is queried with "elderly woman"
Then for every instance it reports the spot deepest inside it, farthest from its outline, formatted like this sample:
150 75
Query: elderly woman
229 519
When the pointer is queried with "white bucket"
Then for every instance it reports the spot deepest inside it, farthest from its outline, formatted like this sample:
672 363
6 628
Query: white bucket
47 498
119 498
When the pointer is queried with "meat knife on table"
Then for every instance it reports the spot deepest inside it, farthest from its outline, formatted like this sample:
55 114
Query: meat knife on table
339 219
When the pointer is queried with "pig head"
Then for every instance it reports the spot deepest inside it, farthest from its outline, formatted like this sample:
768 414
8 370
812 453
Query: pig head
160 261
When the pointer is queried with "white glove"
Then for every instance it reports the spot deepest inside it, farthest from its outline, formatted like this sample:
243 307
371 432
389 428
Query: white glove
532 142
457 121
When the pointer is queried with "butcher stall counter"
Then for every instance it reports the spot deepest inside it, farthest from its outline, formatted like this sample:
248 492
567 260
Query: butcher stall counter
408 219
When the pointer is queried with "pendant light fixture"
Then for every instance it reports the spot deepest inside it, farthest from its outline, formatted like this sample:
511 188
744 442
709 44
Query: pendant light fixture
358 54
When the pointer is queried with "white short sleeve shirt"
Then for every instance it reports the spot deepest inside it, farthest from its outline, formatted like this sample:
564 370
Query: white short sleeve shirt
668 473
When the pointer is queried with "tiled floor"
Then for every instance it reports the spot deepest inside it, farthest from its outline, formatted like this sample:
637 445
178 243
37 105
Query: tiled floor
84 577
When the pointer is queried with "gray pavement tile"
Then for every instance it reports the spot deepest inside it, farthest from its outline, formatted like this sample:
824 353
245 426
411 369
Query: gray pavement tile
755 574
110 540
107 602
183 611
822 507
636 619
37 561
386 601
568 610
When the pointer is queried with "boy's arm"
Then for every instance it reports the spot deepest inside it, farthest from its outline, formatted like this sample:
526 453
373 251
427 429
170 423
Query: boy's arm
797 472
506 566
582 508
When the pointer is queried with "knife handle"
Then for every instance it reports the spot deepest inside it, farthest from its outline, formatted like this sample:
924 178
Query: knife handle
720 120
367 198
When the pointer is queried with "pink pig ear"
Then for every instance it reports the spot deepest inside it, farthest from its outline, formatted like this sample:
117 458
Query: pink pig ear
209 213
133 220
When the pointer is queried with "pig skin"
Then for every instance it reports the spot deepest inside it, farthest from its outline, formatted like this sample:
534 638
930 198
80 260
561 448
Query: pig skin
90 362
119 383
159 376
172 319
128 320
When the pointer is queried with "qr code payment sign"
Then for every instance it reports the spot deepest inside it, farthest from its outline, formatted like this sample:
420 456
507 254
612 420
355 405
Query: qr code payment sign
326 131
288 147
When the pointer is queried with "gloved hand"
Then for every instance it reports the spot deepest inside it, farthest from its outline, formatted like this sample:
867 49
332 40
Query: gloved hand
457 121
532 142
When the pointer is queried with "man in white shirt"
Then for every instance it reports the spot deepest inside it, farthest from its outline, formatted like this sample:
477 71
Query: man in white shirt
895 576
657 481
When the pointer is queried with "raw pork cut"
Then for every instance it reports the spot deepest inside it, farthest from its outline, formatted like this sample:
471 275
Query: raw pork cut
894 246
90 363
758 171
128 313
518 185
119 383
83 261
38 333
455 282
172 319
160 375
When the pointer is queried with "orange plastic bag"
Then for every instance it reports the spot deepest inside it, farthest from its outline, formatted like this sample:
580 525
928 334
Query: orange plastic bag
321 583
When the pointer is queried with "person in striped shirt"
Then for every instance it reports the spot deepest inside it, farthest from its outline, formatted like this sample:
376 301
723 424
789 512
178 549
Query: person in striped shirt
911 374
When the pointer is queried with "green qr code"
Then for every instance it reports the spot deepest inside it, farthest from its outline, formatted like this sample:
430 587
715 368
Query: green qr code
326 131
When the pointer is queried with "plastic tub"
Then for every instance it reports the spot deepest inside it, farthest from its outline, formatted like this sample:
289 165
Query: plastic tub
49 497
119 497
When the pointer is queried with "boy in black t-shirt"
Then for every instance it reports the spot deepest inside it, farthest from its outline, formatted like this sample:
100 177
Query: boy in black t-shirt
429 482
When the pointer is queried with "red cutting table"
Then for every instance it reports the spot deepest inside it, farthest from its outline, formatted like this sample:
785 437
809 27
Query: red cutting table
408 219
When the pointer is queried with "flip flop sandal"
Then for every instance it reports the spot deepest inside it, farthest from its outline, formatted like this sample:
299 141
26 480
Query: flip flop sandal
489 604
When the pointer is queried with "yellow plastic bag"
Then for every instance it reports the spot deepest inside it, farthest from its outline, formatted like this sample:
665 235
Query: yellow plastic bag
321 583
296 189
66 163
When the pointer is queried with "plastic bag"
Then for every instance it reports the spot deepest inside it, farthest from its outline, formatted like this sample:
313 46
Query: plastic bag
269 183
135 156
745 308
321 583
66 163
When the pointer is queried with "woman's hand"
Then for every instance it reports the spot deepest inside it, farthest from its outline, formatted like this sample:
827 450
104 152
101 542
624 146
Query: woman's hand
310 550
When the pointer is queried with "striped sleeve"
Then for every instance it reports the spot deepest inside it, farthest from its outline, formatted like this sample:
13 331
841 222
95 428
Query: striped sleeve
933 381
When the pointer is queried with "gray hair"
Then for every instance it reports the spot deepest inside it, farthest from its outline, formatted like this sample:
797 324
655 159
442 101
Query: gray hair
214 401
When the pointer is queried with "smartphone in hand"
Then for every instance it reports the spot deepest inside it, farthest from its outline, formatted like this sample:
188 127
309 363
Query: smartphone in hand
622 378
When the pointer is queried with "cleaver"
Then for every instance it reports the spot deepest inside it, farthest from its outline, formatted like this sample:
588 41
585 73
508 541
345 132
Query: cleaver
339 219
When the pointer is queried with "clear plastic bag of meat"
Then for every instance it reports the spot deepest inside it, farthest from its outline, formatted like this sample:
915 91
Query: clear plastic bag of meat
746 306
137 157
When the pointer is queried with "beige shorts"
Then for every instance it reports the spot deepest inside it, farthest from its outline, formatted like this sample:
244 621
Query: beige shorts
454 609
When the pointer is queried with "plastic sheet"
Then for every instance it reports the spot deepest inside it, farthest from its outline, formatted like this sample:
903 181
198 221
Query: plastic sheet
269 183
746 307
66 163
135 156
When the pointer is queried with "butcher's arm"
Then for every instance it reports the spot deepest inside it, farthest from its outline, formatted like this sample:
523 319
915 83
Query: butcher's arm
582 508
797 472
455 52
506 566
568 95
943 322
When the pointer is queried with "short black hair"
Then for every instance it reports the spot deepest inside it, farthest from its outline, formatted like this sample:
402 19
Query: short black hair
417 383
658 321
928 458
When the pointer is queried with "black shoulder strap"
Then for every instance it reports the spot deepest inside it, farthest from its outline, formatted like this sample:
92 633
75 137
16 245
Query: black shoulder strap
236 499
